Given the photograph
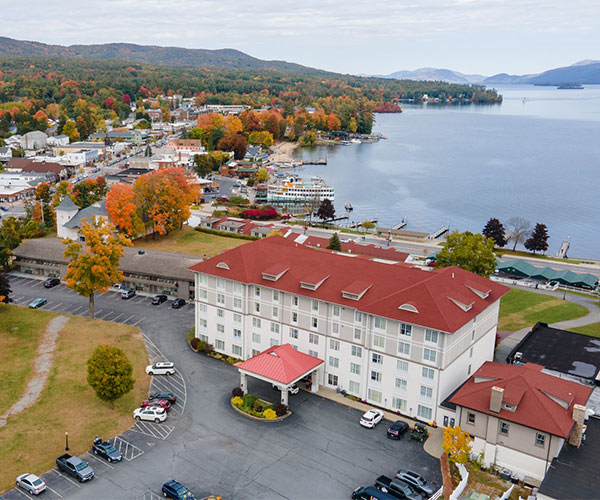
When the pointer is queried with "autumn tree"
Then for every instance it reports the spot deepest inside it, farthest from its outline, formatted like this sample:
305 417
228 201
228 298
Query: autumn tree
5 290
367 225
89 191
239 146
538 241
122 210
495 230
333 122
334 243
93 265
457 444
63 189
262 175
472 252
326 210
10 238
518 230
110 373
70 130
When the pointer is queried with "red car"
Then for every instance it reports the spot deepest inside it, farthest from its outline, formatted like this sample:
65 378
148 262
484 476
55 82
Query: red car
162 403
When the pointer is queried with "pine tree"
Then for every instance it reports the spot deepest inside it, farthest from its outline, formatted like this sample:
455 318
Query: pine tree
334 243
538 241
495 230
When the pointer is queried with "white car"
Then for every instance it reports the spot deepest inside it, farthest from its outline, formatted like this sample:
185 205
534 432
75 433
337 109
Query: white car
371 418
161 368
293 389
31 483
152 413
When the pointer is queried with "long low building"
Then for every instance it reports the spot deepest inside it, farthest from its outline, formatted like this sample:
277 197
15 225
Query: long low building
397 336
147 271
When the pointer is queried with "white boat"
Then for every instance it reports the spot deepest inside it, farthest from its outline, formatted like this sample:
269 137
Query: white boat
355 141
296 189
348 206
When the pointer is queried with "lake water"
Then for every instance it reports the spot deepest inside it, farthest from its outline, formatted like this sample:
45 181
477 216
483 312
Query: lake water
536 156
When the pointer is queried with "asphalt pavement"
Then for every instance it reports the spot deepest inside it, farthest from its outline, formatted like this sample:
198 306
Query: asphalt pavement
319 452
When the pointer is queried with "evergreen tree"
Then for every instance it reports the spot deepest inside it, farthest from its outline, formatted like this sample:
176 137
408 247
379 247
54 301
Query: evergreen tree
538 241
334 243
495 230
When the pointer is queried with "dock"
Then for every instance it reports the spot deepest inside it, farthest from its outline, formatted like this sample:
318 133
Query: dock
318 161
356 225
564 248
401 225
436 234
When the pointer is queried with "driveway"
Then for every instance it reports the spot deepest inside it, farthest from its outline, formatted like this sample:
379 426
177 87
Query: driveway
320 452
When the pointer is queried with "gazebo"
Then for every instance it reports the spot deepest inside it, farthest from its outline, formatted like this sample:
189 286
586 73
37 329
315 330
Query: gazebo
282 366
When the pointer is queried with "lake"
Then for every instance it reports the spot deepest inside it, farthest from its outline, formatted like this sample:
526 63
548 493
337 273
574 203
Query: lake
536 156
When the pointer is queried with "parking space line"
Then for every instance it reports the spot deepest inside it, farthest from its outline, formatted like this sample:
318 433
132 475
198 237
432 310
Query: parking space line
166 388
139 320
76 310
61 474
117 317
98 313
56 492
55 306
98 460
126 320
106 316
17 489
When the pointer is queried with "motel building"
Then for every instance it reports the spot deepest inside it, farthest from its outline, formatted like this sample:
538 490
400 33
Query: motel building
397 336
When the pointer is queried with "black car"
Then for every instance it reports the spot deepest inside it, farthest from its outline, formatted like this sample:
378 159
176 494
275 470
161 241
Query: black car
371 493
169 396
177 303
397 429
176 490
51 282
158 299
106 450
416 481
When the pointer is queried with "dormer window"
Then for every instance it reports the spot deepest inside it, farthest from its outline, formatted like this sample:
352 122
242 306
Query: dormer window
482 294
313 281
408 307
464 307
356 290
274 272
223 265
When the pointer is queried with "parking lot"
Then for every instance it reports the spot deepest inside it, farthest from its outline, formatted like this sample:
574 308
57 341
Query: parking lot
319 452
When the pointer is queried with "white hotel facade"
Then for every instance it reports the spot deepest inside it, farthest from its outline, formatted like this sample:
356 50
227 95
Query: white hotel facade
398 337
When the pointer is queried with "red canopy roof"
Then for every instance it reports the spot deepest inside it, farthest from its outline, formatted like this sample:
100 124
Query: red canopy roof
281 363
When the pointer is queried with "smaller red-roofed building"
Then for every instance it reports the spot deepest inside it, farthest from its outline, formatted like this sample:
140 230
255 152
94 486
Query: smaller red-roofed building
280 365
520 417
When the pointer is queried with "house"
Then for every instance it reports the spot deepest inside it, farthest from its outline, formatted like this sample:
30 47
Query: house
230 226
58 140
34 140
210 222
18 185
5 154
69 217
14 141
398 337
28 165
192 145
520 417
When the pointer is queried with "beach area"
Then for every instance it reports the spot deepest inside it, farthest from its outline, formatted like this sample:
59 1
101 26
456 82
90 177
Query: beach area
282 152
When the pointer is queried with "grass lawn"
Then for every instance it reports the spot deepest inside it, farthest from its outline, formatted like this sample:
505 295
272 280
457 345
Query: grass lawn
592 330
188 241
522 309
34 438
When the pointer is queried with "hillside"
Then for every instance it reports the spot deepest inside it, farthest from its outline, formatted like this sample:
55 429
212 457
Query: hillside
435 74
582 72
149 54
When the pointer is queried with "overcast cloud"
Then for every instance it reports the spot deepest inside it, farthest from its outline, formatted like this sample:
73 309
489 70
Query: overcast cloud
368 36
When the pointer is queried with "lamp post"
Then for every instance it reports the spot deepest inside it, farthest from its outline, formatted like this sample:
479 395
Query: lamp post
66 441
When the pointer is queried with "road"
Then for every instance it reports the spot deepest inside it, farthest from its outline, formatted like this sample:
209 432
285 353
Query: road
319 452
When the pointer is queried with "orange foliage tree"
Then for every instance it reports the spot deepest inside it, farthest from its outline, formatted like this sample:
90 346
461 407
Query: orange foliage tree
123 211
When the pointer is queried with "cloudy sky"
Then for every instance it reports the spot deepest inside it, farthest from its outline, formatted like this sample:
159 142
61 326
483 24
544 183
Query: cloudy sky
349 36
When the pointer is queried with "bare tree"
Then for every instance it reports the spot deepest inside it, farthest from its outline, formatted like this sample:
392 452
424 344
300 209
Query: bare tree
519 229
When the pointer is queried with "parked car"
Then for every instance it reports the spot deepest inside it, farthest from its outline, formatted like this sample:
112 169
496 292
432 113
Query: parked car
39 302
371 418
417 481
127 294
293 389
75 467
397 429
51 282
151 413
176 490
178 303
161 368
31 483
106 450
371 493
158 299
169 396
161 403
396 488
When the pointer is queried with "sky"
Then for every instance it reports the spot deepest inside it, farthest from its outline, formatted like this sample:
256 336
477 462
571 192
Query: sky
346 36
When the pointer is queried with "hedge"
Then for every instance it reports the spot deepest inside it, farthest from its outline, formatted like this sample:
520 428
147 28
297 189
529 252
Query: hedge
226 234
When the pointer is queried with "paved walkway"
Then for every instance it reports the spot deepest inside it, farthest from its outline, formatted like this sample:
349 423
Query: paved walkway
433 445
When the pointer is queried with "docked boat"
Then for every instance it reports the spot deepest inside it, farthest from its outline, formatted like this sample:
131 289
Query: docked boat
348 206
355 141
296 189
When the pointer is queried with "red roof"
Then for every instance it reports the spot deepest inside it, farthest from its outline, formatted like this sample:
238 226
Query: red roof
535 394
281 363
431 292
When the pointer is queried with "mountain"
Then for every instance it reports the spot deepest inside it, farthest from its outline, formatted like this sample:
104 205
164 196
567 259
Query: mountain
434 74
582 72
149 54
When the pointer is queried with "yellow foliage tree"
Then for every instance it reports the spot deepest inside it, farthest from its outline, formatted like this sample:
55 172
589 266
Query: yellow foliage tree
457 444
274 232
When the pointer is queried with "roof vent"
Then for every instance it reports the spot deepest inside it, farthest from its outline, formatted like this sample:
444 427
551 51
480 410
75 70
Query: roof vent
408 307
223 265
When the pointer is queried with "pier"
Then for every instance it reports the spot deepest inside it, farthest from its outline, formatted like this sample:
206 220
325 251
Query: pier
436 234
401 225
356 225
319 161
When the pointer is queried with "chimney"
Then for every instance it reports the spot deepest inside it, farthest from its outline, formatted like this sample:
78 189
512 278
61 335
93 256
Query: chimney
496 399
577 431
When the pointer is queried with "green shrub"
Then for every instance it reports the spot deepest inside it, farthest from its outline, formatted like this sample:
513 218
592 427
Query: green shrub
194 343
258 406
237 392
280 409
269 414
249 400
226 234
237 401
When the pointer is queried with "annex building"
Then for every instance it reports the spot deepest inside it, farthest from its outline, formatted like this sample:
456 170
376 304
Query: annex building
397 336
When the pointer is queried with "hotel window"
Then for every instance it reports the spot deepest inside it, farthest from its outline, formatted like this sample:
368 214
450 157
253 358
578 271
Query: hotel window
354 387
404 348
294 317
237 287
504 427
203 338
427 373
255 352
257 291
202 308
220 313
377 359
375 376
274 342
429 355
380 323
237 303
402 366
540 439
236 350
431 336
374 395
275 327
469 370
471 418
295 300
314 354
220 298
336 311
357 334
237 334
220 283
335 329
332 379
313 338
426 392
256 322
256 338
334 362
257 307
424 412
293 333
471 352
221 329
358 316
237 318
379 341
405 329
203 278
219 345
356 351
401 385
399 404
314 323
315 305
275 295
472 335
202 323
354 368
202 293
334 345
276 312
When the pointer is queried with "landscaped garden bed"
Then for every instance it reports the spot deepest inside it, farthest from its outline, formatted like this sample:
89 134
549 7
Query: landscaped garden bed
255 408
202 347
